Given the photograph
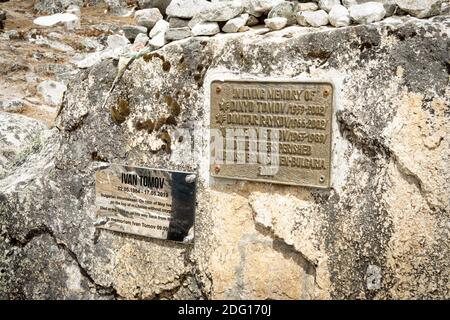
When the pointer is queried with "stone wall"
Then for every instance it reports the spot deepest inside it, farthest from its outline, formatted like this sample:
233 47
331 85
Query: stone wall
380 232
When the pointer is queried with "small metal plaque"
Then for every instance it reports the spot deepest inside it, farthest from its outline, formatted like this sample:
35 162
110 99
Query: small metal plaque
277 132
146 202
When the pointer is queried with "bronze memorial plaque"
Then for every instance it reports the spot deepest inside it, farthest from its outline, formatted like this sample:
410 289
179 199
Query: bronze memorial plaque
277 132
147 202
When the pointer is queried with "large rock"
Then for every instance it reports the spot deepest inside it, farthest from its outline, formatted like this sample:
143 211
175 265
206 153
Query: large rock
286 10
206 29
339 16
420 8
276 23
220 11
235 24
367 12
147 17
379 232
186 8
328 4
260 7
389 5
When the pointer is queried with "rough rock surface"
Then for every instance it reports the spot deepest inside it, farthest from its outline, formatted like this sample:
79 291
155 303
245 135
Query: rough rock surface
367 12
420 8
381 231
339 16
389 5
54 6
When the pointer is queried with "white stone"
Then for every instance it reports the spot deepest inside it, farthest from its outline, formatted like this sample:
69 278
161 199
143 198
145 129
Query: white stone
160 27
260 7
389 5
67 19
235 24
206 29
316 18
186 8
52 92
141 38
308 6
301 19
328 4
421 8
147 17
174 34
220 11
276 23
115 41
367 12
158 40
339 16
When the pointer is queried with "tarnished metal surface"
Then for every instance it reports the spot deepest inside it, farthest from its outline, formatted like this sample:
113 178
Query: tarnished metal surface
147 202
277 132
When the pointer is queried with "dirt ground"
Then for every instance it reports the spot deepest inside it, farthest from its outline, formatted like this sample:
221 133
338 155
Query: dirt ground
30 54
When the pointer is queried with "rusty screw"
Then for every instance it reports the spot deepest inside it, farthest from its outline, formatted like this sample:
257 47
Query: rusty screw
218 89
216 168
326 93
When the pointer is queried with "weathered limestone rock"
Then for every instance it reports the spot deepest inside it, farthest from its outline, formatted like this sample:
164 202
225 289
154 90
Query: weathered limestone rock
147 17
328 4
206 29
158 40
252 21
235 24
367 12
389 5
339 16
175 22
177 33
160 27
276 23
260 7
220 11
186 8
52 92
379 232
286 10
420 8
141 38
307 6
315 18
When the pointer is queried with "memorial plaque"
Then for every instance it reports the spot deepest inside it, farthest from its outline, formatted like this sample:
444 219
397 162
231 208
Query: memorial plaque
146 202
277 132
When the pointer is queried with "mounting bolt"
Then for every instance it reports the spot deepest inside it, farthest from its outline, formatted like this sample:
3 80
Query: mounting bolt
216 169
322 179
326 93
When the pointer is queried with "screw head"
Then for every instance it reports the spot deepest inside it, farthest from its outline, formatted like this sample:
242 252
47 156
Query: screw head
218 89
216 169
321 179
326 93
